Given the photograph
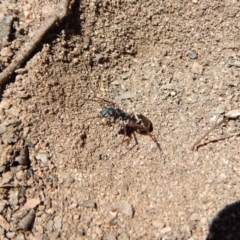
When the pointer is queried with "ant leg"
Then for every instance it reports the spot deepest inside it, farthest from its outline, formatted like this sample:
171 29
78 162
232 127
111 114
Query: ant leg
101 100
90 118
135 138
107 101
154 139
125 132
139 126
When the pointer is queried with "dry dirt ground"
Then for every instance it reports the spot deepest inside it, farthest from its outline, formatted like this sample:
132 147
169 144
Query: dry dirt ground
65 175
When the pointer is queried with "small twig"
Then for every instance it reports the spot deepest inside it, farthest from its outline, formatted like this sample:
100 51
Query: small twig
29 47
233 114
195 145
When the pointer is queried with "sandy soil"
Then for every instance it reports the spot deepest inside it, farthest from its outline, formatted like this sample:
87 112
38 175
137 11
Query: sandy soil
65 174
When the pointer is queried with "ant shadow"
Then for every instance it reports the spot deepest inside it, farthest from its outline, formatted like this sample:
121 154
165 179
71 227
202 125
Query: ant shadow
226 225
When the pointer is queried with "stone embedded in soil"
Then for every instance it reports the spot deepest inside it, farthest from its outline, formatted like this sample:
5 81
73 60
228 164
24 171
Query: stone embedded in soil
158 224
72 206
125 76
166 230
58 222
124 208
8 137
10 235
89 204
27 222
192 54
32 203
43 157
13 111
6 52
124 236
5 104
14 196
20 236
110 236
6 29
195 217
86 42
49 226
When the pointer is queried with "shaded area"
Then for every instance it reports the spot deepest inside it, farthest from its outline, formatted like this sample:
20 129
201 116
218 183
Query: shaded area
227 224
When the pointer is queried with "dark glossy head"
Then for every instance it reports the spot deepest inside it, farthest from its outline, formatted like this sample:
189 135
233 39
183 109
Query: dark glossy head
108 112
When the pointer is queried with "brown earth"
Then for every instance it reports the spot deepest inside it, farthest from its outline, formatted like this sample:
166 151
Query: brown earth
78 180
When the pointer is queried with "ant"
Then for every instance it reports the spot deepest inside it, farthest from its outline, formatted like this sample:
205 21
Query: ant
131 123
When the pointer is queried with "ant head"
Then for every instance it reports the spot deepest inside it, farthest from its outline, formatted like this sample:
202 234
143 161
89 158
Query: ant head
107 112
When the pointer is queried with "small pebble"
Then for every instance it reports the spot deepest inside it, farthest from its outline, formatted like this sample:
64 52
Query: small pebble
20 236
21 70
89 204
124 208
5 104
233 113
125 186
58 222
10 235
194 217
110 236
158 224
86 42
13 111
192 55
98 230
6 52
27 222
99 57
125 76
72 206
124 236
42 157
164 52
166 230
